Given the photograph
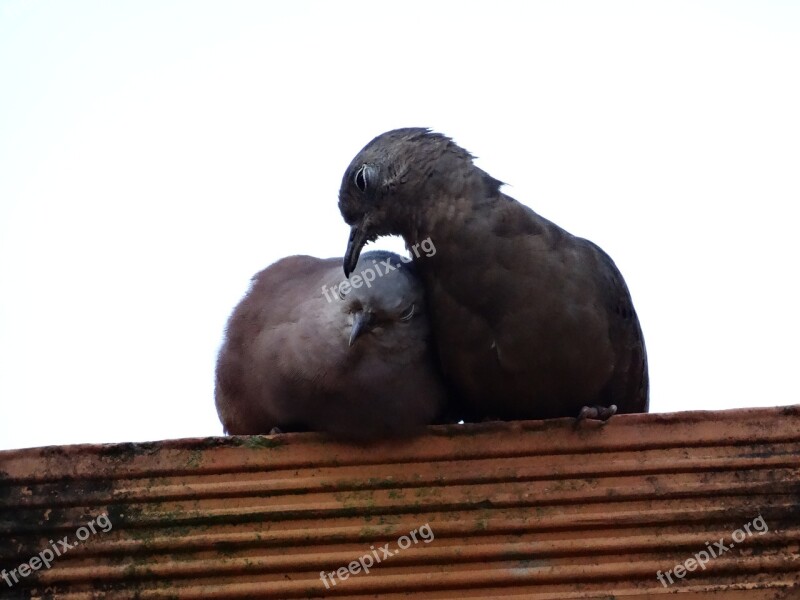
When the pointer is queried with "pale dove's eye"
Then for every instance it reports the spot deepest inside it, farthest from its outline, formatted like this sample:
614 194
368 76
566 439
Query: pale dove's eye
407 314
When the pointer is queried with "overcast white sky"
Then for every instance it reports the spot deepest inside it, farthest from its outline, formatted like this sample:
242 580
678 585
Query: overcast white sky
154 155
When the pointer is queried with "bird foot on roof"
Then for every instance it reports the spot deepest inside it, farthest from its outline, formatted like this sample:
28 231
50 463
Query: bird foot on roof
599 413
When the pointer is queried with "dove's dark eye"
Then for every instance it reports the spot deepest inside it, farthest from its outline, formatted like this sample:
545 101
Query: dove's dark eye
361 178
407 314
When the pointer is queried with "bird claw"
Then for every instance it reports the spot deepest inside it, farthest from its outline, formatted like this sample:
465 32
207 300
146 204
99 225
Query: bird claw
598 413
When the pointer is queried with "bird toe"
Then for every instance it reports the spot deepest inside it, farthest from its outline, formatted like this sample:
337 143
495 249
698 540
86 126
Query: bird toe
598 413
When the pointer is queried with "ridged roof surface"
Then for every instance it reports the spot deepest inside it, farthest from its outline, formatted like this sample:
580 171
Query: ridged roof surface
538 509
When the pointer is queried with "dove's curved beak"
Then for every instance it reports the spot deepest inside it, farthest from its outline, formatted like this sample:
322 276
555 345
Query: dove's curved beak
362 322
358 237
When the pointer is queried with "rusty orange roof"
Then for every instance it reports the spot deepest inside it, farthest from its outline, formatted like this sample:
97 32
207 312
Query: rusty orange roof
537 509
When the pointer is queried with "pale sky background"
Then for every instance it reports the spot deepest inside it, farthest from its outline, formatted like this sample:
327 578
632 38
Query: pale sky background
154 155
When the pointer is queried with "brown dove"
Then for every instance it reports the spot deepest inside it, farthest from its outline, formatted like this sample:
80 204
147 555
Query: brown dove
306 350
529 320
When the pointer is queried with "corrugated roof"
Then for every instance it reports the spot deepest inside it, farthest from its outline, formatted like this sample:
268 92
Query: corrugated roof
538 509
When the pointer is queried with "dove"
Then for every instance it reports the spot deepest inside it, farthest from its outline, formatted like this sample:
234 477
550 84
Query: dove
529 321
306 350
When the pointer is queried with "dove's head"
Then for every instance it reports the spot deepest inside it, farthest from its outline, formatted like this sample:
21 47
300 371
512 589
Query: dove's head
390 184
385 297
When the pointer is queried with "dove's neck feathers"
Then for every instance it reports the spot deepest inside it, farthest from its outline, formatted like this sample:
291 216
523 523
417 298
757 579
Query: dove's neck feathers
450 192
462 209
